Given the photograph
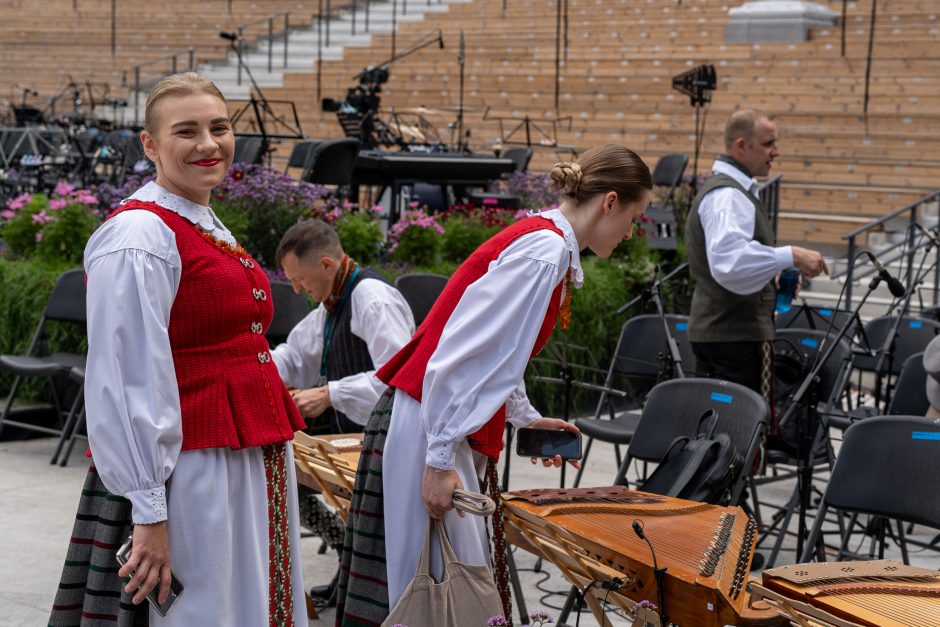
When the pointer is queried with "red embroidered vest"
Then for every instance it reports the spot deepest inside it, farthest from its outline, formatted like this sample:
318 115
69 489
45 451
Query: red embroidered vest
406 369
231 394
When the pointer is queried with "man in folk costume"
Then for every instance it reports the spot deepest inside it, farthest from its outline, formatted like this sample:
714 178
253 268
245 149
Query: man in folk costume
330 357
734 262
458 381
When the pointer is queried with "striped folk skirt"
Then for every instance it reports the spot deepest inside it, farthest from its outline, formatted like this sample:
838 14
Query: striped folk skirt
90 591
362 592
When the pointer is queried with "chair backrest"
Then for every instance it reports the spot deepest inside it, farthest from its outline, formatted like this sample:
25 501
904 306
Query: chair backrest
913 336
668 173
67 301
888 466
910 392
834 374
673 409
642 346
420 291
519 155
248 150
332 162
300 154
816 318
289 309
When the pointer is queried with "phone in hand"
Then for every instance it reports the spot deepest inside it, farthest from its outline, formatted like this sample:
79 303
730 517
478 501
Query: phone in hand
547 443
176 588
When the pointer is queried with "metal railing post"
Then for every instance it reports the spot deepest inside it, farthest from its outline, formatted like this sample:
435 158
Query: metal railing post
849 274
241 53
192 52
329 17
910 243
270 44
352 30
286 30
173 64
404 7
319 50
394 24
136 92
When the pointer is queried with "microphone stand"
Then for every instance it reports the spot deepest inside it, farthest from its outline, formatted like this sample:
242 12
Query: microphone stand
257 103
887 350
672 360
804 473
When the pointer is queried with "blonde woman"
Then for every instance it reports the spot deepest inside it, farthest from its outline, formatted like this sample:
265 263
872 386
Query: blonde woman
188 421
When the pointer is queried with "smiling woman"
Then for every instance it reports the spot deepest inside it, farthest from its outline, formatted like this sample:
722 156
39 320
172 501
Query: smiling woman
181 390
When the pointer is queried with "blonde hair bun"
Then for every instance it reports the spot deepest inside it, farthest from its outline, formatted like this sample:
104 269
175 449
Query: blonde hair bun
566 176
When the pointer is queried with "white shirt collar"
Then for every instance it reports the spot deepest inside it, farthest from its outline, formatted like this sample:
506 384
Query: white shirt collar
720 167
200 215
560 221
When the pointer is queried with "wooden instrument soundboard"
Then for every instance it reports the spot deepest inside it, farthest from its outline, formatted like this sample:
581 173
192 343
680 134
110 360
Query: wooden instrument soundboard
880 593
588 534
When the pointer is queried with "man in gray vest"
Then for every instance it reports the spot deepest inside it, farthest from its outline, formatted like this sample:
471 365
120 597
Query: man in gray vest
734 261
331 356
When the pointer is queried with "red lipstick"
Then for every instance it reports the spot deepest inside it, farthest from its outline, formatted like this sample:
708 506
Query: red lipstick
206 163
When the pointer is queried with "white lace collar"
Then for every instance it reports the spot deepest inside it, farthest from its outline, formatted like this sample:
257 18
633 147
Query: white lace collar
560 221
200 215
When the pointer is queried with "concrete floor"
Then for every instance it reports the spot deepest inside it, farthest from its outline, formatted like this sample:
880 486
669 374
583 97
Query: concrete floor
38 503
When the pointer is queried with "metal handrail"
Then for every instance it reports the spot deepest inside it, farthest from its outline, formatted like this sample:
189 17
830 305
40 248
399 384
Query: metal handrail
174 68
851 236
270 36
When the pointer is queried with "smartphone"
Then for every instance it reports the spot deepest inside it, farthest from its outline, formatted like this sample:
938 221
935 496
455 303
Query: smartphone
548 443
176 588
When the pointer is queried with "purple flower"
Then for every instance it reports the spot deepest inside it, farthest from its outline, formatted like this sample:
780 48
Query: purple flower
64 189
497 621
542 616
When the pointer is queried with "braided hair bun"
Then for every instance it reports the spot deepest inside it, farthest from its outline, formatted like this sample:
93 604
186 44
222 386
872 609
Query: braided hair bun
566 176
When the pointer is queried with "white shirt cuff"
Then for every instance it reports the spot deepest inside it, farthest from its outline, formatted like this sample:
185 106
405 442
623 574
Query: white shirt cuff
440 453
784 257
147 506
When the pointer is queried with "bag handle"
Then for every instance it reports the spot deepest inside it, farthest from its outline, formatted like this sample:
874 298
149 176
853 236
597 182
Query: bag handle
710 418
691 467
447 550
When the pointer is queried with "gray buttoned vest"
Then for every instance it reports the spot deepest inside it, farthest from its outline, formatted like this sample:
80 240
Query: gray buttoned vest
719 315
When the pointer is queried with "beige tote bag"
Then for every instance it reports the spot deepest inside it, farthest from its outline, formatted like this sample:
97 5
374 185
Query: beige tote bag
466 597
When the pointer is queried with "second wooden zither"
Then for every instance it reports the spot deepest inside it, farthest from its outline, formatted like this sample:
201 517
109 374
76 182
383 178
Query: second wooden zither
880 593
588 533
328 463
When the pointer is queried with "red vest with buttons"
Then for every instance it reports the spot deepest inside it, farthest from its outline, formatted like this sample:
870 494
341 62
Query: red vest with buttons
231 394
406 369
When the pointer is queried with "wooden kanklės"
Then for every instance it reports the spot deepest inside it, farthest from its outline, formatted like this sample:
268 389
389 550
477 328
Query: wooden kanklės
589 534
880 593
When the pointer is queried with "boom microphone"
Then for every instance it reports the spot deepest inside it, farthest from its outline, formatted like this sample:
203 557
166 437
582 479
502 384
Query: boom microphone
897 289
229 35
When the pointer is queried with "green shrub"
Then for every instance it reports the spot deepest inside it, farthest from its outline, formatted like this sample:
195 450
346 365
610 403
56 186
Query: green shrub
19 230
64 238
361 237
463 234
415 239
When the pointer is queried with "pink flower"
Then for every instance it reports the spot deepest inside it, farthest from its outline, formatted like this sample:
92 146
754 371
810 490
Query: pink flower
42 217
413 204
64 189
6 214
56 203
19 202
38 236
86 198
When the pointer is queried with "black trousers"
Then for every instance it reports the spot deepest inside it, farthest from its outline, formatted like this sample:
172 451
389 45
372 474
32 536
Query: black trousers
738 362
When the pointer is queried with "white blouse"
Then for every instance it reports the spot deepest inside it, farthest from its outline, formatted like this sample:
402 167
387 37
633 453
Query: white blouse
466 380
380 316
131 393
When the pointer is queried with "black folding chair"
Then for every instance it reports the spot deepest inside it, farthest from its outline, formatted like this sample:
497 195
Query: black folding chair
519 155
887 467
331 162
637 365
420 291
913 335
66 304
662 215
673 409
815 319
289 309
300 154
248 150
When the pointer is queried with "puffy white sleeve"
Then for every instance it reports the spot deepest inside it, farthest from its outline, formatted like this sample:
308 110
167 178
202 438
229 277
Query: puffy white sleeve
131 394
298 359
519 411
383 319
486 343
736 261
